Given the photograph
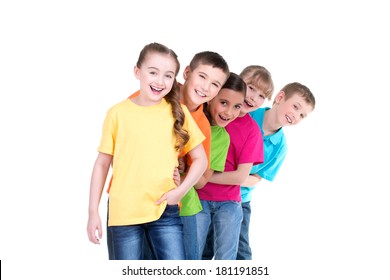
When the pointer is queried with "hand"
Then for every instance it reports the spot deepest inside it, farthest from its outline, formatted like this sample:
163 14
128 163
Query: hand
94 224
172 197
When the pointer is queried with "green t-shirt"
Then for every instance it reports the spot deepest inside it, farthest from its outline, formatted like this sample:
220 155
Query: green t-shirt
220 142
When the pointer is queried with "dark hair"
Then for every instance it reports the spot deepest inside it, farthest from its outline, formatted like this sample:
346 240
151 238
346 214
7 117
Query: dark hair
297 88
234 82
172 97
209 58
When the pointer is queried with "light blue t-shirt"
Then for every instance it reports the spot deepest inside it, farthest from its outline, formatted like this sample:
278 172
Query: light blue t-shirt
275 150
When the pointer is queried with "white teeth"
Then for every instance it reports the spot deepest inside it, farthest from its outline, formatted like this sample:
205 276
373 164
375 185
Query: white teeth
156 89
288 119
225 119
200 94
249 104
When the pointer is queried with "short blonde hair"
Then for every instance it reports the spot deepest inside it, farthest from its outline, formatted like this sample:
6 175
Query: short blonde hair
260 77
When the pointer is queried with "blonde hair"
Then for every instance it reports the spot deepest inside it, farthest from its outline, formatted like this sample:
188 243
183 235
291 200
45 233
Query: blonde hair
297 88
260 77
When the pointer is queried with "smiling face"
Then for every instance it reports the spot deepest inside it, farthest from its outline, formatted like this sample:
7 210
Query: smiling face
225 107
293 110
201 85
255 97
156 75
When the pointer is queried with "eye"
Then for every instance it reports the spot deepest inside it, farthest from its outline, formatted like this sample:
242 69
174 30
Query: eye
295 107
238 107
216 85
202 76
262 96
169 76
224 103
153 73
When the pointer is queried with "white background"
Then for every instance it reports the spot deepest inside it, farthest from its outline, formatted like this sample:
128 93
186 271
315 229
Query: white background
64 63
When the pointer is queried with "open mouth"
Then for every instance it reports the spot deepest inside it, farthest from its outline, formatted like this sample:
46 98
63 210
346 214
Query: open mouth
156 90
248 103
289 120
223 118
200 93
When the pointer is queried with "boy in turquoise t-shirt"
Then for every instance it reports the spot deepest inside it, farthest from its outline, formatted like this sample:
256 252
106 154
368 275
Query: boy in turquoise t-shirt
292 104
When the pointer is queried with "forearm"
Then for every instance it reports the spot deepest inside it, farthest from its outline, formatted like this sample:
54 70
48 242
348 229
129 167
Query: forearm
196 170
98 179
251 180
204 179
236 177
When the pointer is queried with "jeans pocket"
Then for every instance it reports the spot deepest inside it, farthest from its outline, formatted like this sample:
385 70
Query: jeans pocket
171 211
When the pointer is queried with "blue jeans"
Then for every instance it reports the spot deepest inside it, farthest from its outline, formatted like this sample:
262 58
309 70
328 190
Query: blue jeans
208 250
191 246
244 250
165 237
225 217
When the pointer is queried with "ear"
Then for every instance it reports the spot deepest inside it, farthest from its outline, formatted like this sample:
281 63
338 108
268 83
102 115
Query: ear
185 72
279 97
136 72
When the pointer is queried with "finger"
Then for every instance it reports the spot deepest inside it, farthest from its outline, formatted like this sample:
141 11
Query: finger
161 200
100 232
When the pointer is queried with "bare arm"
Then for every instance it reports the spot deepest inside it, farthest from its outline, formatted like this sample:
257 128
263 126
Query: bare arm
236 177
251 180
98 179
204 179
196 170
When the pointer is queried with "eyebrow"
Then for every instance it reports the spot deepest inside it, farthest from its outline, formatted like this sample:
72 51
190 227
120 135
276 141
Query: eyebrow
208 75
155 68
298 104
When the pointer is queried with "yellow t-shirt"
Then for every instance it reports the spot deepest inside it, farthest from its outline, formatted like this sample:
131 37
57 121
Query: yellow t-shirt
142 142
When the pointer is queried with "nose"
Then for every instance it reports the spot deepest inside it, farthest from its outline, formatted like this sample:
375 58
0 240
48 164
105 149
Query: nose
252 97
160 79
205 86
229 112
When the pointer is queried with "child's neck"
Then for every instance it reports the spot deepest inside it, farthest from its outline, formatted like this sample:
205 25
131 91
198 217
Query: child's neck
270 125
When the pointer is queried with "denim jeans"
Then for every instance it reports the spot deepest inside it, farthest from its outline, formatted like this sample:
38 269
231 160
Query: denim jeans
225 217
191 246
208 250
244 250
165 237
147 251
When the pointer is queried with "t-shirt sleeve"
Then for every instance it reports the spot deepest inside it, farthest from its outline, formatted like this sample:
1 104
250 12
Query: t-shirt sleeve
109 131
220 142
196 136
269 170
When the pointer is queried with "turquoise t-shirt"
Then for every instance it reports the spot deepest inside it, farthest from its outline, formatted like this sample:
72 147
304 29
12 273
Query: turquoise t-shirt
220 142
275 150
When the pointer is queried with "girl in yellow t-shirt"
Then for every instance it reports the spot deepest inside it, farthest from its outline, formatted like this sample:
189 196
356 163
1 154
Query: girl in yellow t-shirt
142 134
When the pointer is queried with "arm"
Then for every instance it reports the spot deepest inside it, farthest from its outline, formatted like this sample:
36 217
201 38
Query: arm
251 180
204 179
236 177
98 179
197 168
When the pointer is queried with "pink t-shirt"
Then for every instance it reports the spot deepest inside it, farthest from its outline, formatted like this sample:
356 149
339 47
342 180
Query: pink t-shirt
246 146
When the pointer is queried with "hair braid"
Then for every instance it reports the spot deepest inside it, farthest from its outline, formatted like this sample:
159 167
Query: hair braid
181 134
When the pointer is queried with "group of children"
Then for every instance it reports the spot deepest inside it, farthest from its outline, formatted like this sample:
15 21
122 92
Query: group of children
185 157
